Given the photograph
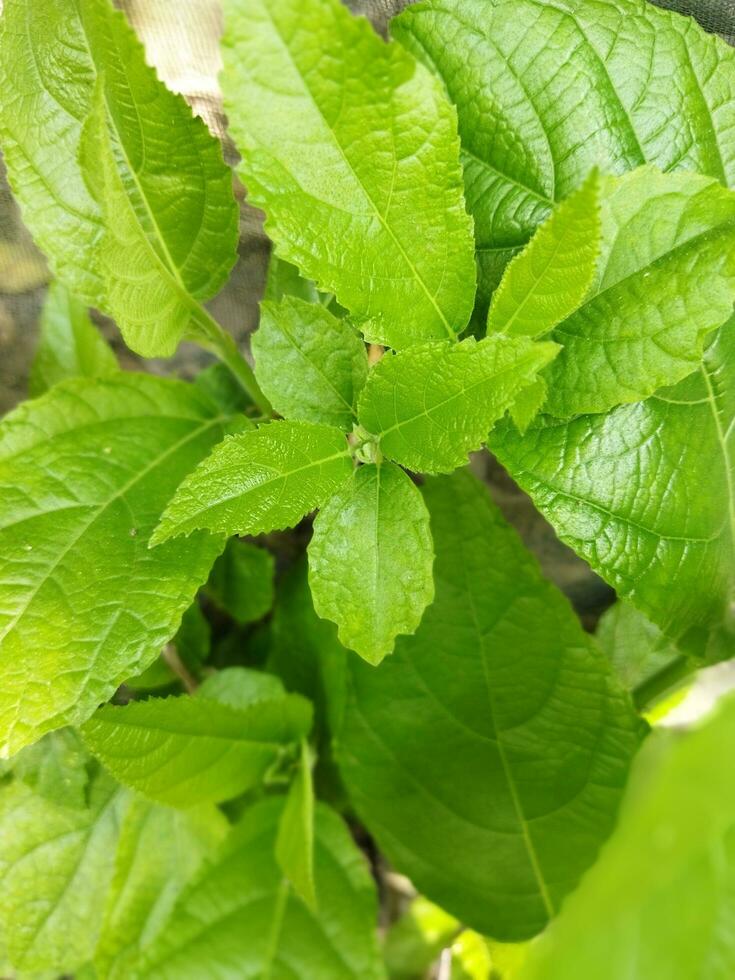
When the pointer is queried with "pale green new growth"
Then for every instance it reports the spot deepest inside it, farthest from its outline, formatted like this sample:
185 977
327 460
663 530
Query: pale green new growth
70 345
370 560
183 751
658 525
85 472
276 935
498 724
432 405
295 839
548 280
260 481
665 278
660 902
354 157
310 364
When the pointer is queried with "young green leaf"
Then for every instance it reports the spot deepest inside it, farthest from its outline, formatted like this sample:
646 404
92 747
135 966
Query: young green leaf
276 934
638 650
354 157
241 581
41 121
554 89
370 560
546 282
645 495
660 901
240 687
162 229
183 751
54 768
85 471
261 480
70 345
158 851
666 278
56 866
499 725
432 405
295 839
528 403
310 364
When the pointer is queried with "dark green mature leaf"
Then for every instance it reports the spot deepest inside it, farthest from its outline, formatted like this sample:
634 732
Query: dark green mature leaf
158 852
370 560
70 345
354 157
56 865
637 649
184 751
85 472
310 364
239 918
666 277
160 227
646 495
546 282
260 480
295 840
547 89
660 902
241 582
489 753
432 405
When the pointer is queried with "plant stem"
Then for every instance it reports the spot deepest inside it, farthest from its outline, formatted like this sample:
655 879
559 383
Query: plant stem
653 687
212 337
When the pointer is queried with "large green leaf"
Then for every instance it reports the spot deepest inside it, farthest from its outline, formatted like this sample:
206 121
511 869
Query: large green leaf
547 89
310 364
85 472
646 494
660 902
354 157
665 278
295 839
546 282
239 919
489 753
161 219
432 405
370 560
158 851
56 865
260 480
185 751
70 345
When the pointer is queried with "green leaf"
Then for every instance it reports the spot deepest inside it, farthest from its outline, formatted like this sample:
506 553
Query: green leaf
370 560
295 839
158 851
261 480
415 941
56 866
191 645
637 649
310 364
646 495
241 582
85 471
54 768
70 345
432 405
285 279
665 279
529 402
240 687
184 751
276 934
547 90
660 902
354 157
165 220
546 282
499 725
